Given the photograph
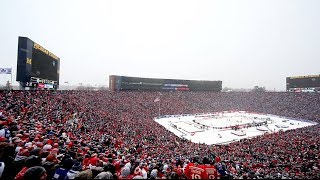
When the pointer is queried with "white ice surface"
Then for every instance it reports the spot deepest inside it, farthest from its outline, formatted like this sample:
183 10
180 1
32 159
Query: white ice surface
191 131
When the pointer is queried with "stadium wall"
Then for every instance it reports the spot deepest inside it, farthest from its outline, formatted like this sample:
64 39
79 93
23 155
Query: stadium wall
126 83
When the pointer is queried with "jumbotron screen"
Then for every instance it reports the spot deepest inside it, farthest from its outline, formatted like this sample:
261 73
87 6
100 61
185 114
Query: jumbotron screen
123 83
37 67
303 82
44 65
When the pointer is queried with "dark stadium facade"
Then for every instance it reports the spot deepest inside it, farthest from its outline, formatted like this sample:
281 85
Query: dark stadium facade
126 83
303 83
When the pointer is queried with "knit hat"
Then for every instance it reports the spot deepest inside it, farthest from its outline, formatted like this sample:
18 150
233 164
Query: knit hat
77 166
18 149
23 152
51 158
54 151
125 172
154 173
34 172
35 152
33 161
104 175
28 144
39 144
47 147
16 140
67 163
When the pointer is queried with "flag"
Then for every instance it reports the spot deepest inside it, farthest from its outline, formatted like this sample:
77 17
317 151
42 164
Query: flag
156 100
5 70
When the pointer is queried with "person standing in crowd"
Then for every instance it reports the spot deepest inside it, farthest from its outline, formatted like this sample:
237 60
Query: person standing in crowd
35 173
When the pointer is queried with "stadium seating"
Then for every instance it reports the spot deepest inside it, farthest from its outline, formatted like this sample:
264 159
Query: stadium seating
80 134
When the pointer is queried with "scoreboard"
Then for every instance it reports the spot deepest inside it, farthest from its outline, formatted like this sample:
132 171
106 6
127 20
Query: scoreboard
122 83
303 83
37 67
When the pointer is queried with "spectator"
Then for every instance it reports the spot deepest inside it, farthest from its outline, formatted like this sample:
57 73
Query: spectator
31 161
76 168
35 173
61 172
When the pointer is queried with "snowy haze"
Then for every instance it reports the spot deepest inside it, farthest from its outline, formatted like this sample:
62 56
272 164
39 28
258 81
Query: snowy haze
242 43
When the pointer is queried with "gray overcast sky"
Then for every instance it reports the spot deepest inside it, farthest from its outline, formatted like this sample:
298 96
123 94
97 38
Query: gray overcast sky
242 43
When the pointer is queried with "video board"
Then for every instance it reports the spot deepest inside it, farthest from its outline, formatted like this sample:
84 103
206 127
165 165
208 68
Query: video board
37 67
310 82
152 84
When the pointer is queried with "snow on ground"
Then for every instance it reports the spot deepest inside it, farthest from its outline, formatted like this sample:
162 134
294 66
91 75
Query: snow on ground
216 128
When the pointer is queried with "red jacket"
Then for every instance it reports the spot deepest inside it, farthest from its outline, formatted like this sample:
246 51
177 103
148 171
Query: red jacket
20 174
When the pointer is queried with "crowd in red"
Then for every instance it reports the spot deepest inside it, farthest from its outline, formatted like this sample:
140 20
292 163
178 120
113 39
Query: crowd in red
112 135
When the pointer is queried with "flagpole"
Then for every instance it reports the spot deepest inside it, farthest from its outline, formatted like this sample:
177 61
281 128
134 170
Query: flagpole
11 78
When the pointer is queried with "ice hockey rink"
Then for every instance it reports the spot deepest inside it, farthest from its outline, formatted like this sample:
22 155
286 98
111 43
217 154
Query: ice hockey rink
226 127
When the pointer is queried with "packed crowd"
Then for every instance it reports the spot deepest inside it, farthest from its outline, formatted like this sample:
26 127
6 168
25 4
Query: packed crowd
112 135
